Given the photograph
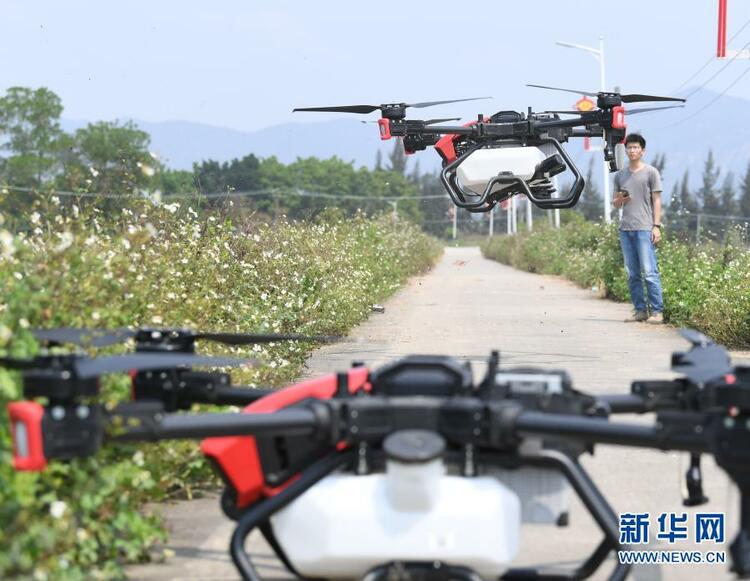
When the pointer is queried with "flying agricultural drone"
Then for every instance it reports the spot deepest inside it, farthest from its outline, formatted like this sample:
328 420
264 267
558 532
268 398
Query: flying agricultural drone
489 160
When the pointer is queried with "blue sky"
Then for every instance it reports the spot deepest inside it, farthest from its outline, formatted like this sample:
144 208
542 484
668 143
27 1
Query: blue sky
245 65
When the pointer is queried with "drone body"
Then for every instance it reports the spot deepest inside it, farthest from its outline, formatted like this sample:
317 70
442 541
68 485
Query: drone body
492 159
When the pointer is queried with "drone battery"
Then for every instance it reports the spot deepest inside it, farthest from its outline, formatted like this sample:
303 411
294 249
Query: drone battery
484 164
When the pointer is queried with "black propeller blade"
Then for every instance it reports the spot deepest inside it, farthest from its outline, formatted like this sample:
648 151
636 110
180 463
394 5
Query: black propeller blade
649 109
83 337
626 98
433 121
637 98
428 122
364 109
103 338
627 111
589 93
89 367
94 367
705 361
248 339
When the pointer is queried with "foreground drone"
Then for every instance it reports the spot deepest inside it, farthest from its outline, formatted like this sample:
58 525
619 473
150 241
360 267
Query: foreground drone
494 158
412 471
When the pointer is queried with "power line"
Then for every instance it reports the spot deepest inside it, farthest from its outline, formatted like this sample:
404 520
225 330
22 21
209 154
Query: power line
716 98
717 73
711 59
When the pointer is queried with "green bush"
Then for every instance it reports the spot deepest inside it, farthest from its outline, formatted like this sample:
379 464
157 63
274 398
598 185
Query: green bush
167 266
706 287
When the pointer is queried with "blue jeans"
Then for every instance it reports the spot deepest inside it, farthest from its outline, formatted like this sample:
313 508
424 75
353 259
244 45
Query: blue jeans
640 264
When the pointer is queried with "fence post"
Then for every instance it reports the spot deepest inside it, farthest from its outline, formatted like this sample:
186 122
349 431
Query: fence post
698 230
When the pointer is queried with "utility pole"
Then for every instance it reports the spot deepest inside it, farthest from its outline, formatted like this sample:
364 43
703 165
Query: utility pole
599 55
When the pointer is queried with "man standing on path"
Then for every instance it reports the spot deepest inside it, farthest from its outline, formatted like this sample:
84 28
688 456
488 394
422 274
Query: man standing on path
638 192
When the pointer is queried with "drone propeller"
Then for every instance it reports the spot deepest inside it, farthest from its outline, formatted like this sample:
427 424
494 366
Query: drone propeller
364 109
103 338
428 122
90 367
705 361
627 98
95 367
83 337
627 111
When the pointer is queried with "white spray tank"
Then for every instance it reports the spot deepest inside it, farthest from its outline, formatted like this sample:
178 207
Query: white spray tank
484 164
346 524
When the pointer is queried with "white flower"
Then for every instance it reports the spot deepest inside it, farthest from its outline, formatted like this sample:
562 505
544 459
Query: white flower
96 316
18 275
23 323
146 169
138 458
157 320
35 217
66 241
93 171
6 244
57 509
5 334
55 200
126 243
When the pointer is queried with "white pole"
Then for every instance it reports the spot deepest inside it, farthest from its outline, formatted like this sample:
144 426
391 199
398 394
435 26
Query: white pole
605 164
529 216
515 214
509 209
556 211
599 55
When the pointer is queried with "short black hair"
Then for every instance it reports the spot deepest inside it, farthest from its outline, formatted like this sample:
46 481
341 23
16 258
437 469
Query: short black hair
636 138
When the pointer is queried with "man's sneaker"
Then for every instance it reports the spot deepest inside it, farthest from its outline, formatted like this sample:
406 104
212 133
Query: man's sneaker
637 317
656 319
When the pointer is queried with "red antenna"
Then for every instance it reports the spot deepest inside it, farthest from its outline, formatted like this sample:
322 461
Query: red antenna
721 38
721 44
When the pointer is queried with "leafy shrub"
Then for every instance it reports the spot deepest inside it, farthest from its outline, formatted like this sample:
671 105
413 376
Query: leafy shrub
167 266
706 287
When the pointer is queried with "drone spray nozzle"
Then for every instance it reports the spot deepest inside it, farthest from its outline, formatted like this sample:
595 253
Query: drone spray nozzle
551 166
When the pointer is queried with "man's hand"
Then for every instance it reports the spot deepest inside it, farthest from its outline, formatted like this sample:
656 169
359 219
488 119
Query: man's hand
655 234
619 200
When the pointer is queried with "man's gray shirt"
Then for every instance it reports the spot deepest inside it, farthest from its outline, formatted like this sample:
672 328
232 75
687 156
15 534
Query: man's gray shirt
638 213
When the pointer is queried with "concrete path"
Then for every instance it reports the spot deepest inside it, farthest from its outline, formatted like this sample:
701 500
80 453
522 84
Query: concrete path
464 307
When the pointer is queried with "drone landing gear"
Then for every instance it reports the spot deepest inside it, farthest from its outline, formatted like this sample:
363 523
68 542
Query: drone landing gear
597 506
538 189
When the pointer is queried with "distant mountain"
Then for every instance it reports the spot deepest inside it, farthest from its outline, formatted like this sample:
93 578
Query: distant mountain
724 127
181 143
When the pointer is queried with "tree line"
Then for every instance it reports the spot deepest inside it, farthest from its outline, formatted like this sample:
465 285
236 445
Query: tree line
715 196
113 158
